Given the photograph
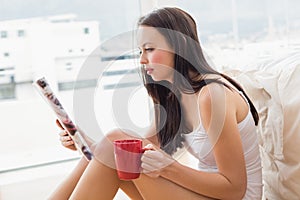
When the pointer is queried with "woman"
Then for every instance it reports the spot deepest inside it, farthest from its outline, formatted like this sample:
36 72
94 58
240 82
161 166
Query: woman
200 108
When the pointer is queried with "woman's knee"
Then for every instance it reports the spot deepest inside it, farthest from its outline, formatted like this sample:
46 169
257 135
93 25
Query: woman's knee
110 137
119 134
104 150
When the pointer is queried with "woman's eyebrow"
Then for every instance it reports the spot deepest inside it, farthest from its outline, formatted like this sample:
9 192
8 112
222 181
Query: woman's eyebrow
146 43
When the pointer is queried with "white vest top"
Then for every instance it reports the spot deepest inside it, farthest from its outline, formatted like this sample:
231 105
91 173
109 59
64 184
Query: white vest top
199 145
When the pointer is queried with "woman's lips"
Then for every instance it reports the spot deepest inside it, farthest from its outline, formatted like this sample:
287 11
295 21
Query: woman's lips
149 71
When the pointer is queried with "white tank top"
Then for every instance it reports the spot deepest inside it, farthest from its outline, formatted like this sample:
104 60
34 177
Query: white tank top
199 145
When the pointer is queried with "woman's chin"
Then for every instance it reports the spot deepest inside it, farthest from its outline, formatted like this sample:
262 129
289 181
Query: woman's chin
156 79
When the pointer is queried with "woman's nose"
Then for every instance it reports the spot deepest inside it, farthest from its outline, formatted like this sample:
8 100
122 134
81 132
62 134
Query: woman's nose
143 59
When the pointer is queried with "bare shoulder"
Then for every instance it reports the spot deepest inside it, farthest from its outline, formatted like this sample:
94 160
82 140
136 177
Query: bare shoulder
215 102
213 93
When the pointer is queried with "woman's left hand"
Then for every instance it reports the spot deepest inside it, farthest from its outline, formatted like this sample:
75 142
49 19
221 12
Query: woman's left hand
154 161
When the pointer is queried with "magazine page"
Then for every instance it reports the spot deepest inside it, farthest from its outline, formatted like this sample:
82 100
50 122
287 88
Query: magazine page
45 90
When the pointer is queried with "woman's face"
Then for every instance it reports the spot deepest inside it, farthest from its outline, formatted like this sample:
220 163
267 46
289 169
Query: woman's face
157 57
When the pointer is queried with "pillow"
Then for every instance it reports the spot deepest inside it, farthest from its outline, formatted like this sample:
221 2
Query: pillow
272 88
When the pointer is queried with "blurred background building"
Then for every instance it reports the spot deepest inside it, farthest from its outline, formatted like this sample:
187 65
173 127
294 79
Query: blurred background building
54 46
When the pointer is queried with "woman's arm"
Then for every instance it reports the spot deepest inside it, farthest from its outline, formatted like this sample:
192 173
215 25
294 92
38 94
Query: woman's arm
218 116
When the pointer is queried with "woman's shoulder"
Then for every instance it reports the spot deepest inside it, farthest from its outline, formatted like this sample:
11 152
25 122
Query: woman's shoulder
221 96
216 87
212 91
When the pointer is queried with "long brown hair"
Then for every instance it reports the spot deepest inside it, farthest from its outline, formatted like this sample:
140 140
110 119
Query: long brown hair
180 31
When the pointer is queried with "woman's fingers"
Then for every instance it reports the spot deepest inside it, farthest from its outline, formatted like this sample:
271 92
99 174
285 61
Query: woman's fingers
65 139
147 163
67 143
147 167
154 161
59 124
63 133
156 155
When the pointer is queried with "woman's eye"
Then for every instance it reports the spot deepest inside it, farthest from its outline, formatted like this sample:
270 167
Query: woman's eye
149 49
146 50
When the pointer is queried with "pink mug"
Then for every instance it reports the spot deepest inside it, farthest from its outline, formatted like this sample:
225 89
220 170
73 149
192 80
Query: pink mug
128 158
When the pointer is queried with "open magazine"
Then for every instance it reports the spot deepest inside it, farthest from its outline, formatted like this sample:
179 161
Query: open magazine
44 89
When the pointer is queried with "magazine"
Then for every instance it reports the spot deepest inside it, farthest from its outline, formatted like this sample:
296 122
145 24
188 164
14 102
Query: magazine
44 89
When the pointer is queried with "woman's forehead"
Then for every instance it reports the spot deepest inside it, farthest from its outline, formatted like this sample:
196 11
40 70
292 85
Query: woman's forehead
149 35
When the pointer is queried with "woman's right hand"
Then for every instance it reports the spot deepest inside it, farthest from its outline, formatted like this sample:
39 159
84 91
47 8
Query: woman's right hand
65 139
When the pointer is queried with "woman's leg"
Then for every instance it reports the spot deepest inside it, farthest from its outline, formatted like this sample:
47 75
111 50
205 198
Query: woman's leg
97 182
66 188
100 180
161 188
130 190
109 182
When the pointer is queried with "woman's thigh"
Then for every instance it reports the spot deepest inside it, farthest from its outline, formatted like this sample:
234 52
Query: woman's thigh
149 188
130 190
161 188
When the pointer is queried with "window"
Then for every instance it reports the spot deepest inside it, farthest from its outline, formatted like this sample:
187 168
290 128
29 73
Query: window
21 33
249 29
7 90
7 84
3 34
86 30
25 153
68 66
